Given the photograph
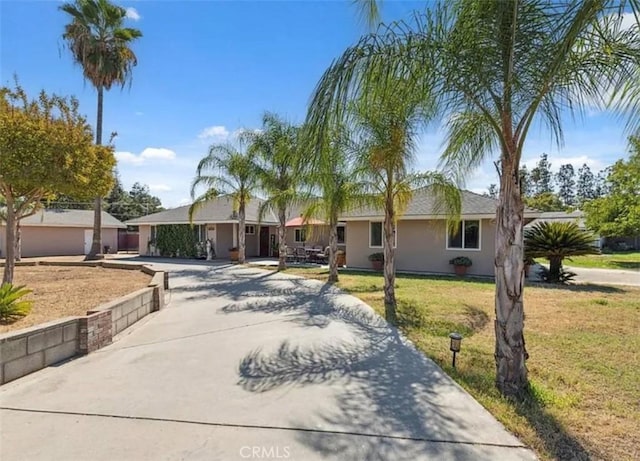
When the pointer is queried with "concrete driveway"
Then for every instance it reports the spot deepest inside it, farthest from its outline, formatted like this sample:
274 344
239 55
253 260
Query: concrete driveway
606 276
250 364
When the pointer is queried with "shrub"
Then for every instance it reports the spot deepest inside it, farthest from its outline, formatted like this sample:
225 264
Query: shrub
376 257
556 241
461 261
563 277
11 307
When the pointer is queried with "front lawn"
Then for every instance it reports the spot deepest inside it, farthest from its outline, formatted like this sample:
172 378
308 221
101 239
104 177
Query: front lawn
583 341
627 260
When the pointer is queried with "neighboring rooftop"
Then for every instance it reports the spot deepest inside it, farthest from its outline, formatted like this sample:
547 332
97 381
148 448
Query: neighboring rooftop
69 218
576 216
217 210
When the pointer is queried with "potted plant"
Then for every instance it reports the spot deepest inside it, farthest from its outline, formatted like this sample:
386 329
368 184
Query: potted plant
341 258
460 264
377 261
233 253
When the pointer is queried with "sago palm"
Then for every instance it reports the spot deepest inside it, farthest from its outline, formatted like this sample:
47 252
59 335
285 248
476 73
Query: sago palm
494 69
557 241
226 170
281 167
100 44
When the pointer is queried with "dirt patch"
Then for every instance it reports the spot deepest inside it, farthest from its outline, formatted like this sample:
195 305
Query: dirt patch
67 291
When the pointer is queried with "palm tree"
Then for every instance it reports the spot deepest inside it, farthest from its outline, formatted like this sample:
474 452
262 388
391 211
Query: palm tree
556 241
494 68
226 170
281 170
100 44
387 125
336 179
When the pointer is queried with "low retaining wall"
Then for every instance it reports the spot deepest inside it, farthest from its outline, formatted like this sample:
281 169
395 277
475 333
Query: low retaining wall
25 351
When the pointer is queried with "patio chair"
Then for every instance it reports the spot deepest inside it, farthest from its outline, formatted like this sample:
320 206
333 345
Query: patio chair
290 255
324 256
301 255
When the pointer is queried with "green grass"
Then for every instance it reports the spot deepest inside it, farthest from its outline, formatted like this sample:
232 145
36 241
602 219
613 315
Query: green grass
584 346
628 260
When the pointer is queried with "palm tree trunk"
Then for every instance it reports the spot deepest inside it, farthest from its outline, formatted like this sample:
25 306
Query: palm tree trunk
555 266
241 234
10 260
96 244
389 267
18 241
510 351
333 250
282 252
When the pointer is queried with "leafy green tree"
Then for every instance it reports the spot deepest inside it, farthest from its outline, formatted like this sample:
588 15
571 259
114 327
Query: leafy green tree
566 185
46 149
547 201
493 191
494 68
557 241
142 202
281 170
118 202
526 186
541 176
100 44
618 213
229 171
585 185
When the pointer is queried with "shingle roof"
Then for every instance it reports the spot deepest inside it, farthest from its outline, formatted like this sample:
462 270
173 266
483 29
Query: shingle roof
576 216
69 218
219 209
423 203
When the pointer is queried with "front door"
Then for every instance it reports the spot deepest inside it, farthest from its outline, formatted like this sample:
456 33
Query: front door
88 240
264 241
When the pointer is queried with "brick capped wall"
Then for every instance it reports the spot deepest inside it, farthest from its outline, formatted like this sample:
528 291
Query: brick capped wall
95 331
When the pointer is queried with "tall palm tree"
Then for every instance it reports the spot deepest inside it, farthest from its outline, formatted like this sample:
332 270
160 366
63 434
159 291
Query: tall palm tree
100 44
335 178
280 172
226 170
494 68
387 124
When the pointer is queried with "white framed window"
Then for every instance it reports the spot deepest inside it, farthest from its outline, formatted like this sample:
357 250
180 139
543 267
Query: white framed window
467 236
341 234
376 230
250 229
152 233
300 235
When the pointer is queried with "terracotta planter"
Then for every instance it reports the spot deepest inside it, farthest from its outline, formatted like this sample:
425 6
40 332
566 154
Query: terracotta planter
460 270
233 255
377 265
341 259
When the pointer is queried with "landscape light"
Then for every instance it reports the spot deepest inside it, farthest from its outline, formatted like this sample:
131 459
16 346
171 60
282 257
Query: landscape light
456 341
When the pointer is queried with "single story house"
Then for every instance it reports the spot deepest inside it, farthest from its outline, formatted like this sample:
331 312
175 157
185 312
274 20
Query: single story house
62 233
423 243
215 221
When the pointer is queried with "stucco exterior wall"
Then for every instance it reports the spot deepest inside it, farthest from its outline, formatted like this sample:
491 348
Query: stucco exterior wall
144 234
422 247
56 241
224 239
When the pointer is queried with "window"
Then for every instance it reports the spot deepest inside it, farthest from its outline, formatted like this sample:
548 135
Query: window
340 234
466 236
250 230
300 235
199 232
375 235
152 234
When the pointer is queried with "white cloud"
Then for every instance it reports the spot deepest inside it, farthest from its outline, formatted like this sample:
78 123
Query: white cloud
150 153
628 21
159 187
133 14
216 132
158 152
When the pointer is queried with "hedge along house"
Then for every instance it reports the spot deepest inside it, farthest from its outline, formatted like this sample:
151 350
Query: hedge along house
62 233
160 234
423 242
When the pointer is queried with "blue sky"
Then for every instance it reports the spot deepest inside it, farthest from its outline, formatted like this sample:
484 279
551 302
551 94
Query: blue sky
209 68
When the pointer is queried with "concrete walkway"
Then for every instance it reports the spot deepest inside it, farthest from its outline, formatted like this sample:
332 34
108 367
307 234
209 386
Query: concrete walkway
250 364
